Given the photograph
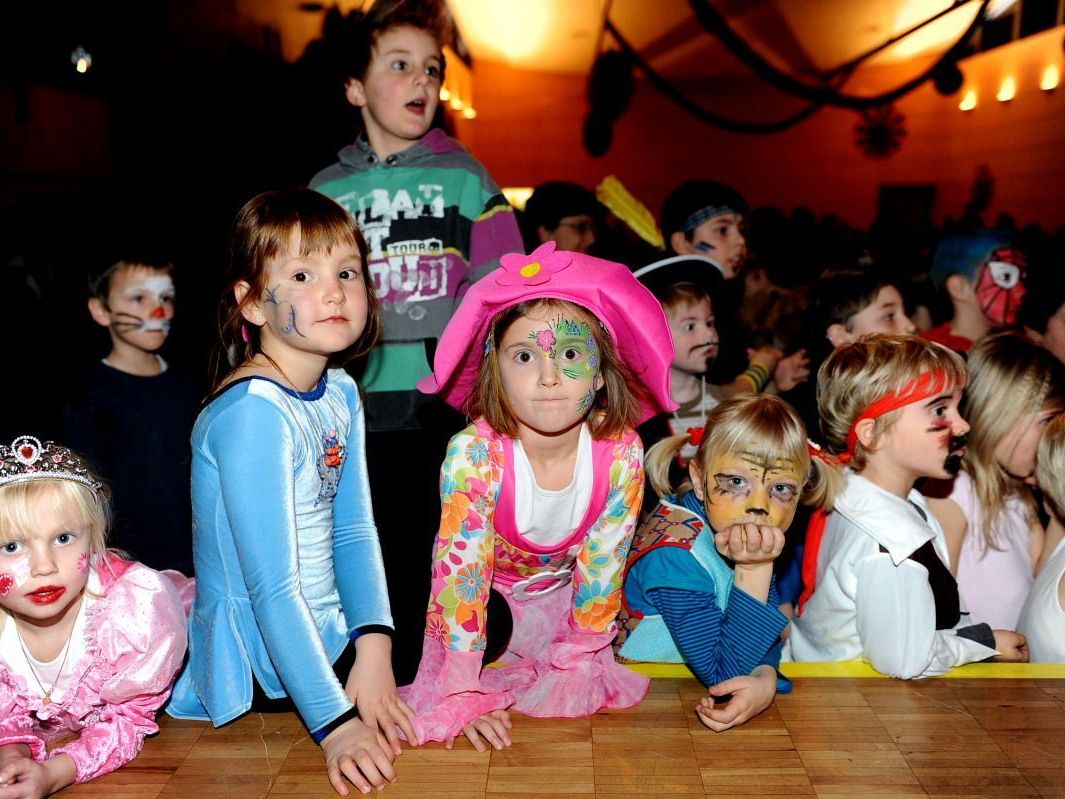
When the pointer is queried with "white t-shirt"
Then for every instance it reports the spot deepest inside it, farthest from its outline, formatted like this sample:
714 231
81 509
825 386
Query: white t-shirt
550 517
1043 618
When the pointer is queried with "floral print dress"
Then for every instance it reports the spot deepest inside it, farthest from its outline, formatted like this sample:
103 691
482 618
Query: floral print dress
563 598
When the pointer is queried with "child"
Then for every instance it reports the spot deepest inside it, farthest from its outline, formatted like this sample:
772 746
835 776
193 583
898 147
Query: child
1043 616
564 213
883 592
133 415
681 601
984 279
557 355
678 284
291 598
434 221
89 641
702 217
989 519
850 305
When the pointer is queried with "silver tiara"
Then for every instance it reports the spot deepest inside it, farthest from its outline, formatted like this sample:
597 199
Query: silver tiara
27 459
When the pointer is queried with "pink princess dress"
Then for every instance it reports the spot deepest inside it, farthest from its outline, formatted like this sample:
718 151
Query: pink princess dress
126 648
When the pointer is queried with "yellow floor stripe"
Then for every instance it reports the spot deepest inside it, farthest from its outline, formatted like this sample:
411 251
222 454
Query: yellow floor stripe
1013 671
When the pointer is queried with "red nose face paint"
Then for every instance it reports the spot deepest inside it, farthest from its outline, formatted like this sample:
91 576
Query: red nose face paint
158 312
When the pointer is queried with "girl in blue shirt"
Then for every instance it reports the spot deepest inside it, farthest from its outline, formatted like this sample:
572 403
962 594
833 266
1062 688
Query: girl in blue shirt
699 579
291 606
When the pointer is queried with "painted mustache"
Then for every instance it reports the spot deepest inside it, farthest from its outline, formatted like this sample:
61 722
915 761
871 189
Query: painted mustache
955 447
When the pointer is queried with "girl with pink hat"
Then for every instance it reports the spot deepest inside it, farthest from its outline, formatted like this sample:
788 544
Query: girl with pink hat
557 356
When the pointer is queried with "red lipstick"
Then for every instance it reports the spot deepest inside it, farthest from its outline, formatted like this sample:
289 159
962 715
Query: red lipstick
46 595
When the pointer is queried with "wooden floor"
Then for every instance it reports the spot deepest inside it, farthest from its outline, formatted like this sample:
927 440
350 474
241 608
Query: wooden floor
831 737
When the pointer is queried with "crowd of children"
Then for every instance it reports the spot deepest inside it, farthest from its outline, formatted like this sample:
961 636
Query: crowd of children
343 573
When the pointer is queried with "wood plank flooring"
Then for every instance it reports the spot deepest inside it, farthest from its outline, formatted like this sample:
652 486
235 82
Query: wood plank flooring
831 738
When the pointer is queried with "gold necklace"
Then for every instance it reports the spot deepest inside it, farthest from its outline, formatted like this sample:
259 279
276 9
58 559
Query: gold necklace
47 699
277 366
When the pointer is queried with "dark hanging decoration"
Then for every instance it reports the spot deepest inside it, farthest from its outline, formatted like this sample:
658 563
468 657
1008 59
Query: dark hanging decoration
610 88
880 131
948 79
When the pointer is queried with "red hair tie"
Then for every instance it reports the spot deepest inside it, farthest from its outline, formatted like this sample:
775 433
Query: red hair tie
695 435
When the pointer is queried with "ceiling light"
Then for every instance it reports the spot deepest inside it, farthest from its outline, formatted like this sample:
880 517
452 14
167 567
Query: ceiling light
1050 79
968 102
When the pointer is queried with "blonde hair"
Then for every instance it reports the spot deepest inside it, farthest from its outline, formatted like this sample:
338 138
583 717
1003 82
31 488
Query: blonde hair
1050 466
1009 379
19 500
617 404
759 423
858 374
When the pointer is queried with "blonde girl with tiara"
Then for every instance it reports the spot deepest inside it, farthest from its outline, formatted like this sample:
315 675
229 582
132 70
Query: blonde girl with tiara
90 642
291 608
994 537
699 583
557 356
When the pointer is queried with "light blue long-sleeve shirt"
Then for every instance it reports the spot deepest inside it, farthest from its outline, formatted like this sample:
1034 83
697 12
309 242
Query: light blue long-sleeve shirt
288 564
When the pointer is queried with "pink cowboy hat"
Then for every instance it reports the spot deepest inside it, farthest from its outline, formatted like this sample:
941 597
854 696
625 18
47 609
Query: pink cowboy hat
628 311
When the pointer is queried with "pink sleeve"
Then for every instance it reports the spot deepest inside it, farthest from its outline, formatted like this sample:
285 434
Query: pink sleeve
143 635
16 724
447 694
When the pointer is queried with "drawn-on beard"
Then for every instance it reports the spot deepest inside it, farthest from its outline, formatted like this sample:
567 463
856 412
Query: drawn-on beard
952 464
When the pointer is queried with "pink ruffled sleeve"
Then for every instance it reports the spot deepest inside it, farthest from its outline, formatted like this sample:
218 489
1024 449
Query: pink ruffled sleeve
447 693
577 674
16 724
142 638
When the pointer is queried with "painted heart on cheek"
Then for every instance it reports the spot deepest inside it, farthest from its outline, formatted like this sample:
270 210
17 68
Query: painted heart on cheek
6 583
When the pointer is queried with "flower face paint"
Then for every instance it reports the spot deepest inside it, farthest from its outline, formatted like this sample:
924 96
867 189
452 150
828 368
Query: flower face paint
1000 286
549 365
748 487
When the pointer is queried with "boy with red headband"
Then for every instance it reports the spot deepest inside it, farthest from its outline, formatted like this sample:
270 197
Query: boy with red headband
882 591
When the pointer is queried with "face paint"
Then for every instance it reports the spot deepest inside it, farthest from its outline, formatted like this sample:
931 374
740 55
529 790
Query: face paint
287 327
569 343
83 562
748 487
956 450
7 582
157 290
1000 287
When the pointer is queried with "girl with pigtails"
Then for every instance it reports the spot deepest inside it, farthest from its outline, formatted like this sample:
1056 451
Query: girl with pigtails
699 578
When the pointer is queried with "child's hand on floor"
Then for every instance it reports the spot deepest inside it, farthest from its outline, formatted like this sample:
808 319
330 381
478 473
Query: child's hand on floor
360 753
750 544
750 696
492 727
372 687
22 777
1012 647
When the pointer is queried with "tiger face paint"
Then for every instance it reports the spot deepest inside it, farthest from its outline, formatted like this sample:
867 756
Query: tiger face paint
744 487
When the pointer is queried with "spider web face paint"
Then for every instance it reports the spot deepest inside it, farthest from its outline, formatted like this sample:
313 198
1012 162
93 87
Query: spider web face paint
749 487
1000 286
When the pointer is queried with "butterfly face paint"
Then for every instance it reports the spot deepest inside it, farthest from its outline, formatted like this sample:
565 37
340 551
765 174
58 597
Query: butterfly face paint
1000 286
749 487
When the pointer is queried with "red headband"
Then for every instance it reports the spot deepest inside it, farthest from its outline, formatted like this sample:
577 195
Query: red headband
925 385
